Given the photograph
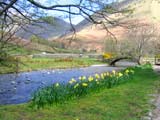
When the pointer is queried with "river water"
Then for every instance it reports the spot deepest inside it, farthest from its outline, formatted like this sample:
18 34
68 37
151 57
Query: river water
18 88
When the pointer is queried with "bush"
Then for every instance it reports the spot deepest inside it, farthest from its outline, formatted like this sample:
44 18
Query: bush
146 66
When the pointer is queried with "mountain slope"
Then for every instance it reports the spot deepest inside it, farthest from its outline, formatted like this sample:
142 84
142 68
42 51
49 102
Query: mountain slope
45 30
92 37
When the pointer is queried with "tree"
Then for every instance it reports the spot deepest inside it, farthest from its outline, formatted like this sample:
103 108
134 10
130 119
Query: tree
48 19
110 45
15 14
95 11
139 41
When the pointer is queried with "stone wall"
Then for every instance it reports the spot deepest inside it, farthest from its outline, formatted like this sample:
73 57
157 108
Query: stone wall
46 55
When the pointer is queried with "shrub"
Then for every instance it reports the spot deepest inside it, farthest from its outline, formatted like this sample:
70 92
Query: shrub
146 66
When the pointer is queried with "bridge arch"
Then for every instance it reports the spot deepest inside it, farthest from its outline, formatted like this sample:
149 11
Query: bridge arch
113 62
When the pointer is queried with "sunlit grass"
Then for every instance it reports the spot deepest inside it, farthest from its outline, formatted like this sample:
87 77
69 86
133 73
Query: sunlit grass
128 101
29 64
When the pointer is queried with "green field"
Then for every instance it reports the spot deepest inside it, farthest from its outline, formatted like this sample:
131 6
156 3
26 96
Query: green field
128 101
29 64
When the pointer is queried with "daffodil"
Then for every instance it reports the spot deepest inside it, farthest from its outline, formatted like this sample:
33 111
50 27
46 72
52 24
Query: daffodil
114 72
90 78
120 74
57 84
72 81
76 85
97 76
102 76
127 71
80 78
107 73
83 77
84 84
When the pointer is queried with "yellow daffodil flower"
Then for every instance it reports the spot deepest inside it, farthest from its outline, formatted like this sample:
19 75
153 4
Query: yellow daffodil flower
57 84
80 78
114 72
120 74
102 76
84 84
107 73
127 71
90 78
97 76
83 77
76 85
72 81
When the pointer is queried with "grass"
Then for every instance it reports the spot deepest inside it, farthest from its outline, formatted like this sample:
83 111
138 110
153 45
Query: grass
13 49
29 64
128 101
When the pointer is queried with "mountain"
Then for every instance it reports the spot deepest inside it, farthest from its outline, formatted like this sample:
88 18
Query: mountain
90 37
44 29
57 29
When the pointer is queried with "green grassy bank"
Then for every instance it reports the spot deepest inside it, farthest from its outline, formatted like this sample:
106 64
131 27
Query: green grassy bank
128 101
29 64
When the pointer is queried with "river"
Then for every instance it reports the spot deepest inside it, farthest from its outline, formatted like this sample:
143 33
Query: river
18 88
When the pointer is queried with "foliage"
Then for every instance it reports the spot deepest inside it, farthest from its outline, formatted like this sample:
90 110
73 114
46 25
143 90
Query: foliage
110 45
157 56
48 19
58 47
38 39
59 93
128 11
146 66
110 9
107 55
9 62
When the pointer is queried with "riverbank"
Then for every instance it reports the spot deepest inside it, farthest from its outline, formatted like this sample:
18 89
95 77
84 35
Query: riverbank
34 64
127 101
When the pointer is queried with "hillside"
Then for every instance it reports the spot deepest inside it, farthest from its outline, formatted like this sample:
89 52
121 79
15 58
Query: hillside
92 37
44 29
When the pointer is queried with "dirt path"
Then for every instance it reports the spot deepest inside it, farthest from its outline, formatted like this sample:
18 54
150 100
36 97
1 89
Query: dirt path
156 111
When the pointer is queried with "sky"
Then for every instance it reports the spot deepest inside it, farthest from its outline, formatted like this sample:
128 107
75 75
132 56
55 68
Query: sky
75 19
